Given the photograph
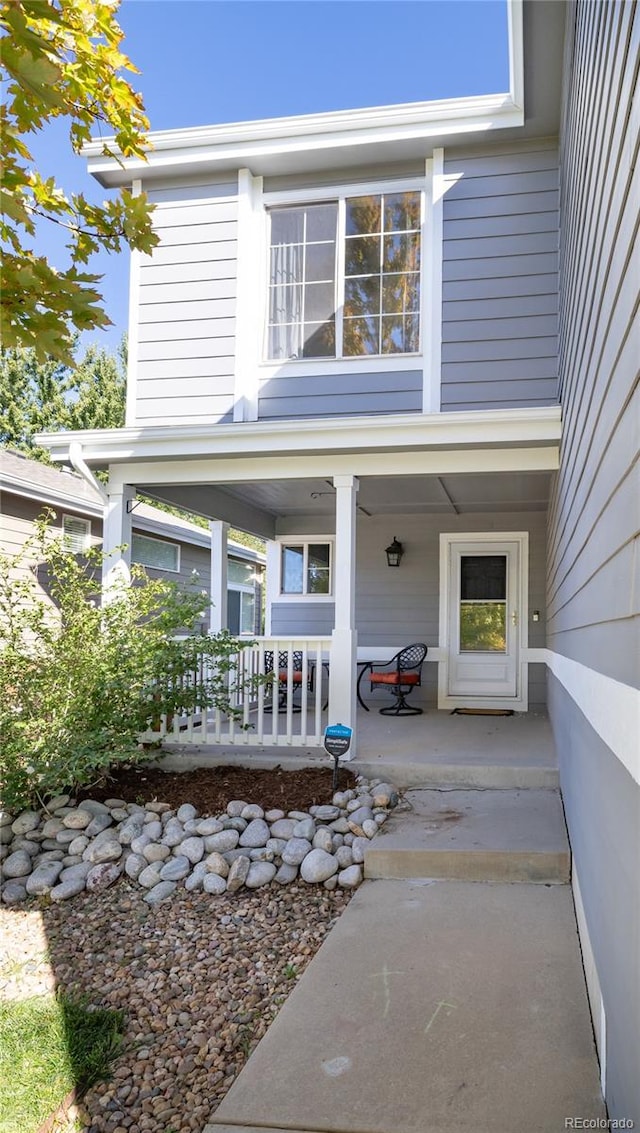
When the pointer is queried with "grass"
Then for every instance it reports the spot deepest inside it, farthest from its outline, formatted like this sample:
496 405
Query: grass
48 1045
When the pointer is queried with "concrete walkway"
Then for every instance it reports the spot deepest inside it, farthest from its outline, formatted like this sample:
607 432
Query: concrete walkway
432 1007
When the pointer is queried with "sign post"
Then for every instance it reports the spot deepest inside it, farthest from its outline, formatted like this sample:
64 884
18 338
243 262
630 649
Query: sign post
337 741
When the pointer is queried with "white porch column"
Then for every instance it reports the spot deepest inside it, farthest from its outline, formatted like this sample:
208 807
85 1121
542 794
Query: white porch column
116 539
271 581
219 561
344 642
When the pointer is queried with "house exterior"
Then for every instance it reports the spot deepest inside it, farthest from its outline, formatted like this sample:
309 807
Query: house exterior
420 322
166 545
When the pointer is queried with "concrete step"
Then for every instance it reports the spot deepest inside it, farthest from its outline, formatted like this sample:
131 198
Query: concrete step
474 836
460 773
431 1007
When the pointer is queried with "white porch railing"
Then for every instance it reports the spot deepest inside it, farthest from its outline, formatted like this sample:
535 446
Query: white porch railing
284 710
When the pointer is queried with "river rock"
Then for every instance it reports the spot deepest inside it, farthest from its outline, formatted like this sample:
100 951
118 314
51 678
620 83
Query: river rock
273 815
134 865
186 812
220 843
318 866
52 827
344 856
215 863
208 826
260 873
196 877
31 848
286 874
326 813
322 840
276 845
340 826
94 807
238 824
173 833
13 893
101 877
79 845
66 888
160 892
360 815
256 834
6 835
98 852
192 849
358 847
214 884
236 807
176 869
384 794
295 851
138 844
57 802
25 822
44 877
251 811
369 828
306 828
76 872
129 830
283 828
77 819
261 854
17 864
150 875
351 877
237 873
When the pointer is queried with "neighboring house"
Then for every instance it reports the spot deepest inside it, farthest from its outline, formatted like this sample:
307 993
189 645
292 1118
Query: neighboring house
349 333
166 545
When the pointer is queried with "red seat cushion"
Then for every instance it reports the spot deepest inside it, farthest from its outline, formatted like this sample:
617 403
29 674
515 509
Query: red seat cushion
395 678
296 676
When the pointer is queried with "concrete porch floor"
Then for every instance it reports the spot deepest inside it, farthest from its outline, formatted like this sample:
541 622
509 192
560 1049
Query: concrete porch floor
435 749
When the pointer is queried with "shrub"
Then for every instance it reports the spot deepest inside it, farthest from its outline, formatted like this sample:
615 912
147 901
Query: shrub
79 682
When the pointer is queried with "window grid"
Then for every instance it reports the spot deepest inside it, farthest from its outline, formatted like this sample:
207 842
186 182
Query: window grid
307 589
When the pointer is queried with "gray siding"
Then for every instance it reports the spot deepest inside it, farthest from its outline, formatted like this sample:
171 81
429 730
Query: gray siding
186 309
192 559
593 519
339 394
500 283
396 607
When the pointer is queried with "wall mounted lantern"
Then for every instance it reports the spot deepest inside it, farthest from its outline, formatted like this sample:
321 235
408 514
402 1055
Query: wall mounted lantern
394 553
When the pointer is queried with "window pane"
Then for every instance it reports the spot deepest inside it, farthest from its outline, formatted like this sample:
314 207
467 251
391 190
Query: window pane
287 226
285 304
318 555
241 573
320 262
361 336
247 613
400 334
319 302
285 341
318 580
402 253
400 293
154 553
75 534
483 627
362 255
362 296
319 340
287 262
318 577
292 569
322 222
363 215
401 211
483 577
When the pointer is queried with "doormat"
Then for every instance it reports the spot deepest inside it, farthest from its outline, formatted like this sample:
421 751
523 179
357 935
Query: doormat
482 712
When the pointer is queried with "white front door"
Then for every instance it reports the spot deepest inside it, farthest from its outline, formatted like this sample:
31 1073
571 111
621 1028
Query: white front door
483 619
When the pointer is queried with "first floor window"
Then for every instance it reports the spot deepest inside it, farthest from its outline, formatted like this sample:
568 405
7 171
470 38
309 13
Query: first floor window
345 277
156 553
241 597
76 534
306 568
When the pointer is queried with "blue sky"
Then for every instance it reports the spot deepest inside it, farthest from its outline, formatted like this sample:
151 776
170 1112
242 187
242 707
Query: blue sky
210 61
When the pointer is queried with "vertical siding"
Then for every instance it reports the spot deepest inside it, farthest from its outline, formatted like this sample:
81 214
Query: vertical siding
500 283
594 513
186 309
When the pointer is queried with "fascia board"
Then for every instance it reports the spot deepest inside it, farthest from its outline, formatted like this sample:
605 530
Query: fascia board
46 496
175 533
280 140
477 429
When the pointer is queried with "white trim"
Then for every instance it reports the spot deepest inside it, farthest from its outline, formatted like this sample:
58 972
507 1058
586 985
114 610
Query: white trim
272 581
388 431
611 707
519 702
249 257
431 311
152 539
218 611
592 980
134 316
280 144
515 15
327 367
342 190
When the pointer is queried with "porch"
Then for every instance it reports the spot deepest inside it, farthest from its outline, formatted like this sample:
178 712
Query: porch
436 749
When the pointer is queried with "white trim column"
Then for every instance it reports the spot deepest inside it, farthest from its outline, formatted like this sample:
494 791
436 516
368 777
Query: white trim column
249 268
116 539
218 618
344 641
271 581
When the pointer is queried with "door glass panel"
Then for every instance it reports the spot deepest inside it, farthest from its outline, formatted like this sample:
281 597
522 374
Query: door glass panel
483 605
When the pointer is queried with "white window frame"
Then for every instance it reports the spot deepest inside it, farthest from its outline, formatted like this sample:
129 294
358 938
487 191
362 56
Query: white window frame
304 541
244 588
86 523
165 543
269 367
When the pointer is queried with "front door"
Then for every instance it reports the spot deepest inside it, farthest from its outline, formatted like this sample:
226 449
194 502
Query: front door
483 619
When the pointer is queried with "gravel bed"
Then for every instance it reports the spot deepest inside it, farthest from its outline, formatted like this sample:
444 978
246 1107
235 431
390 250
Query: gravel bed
199 981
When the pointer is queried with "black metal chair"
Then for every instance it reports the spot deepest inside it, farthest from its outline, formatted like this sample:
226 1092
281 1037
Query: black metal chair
283 677
400 675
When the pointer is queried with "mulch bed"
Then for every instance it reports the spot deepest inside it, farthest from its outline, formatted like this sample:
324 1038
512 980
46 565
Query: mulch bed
210 789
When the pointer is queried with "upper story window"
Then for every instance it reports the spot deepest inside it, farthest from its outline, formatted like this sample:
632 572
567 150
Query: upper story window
156 553
76 534
344 277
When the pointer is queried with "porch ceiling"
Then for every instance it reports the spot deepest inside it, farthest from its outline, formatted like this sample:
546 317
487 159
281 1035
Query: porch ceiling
378 495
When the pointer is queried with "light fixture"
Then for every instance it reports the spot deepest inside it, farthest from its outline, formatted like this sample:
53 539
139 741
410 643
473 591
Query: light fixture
394 553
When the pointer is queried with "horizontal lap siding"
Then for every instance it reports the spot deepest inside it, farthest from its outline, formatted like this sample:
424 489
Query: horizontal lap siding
339 394
186 309
500 283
